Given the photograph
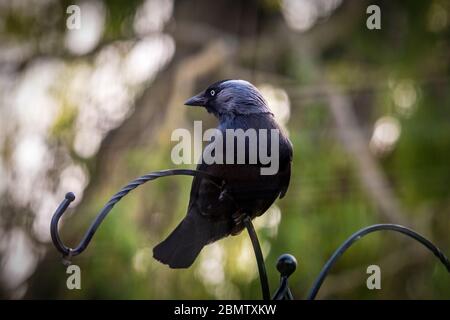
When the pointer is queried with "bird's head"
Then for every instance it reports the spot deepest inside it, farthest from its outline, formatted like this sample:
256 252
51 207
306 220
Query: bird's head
230 97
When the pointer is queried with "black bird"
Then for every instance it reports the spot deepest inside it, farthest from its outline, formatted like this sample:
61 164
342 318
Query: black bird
214 212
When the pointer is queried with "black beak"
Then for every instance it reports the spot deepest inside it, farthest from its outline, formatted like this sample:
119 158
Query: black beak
197 100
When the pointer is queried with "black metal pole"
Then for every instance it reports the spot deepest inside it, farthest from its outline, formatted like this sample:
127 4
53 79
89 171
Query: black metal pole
259 258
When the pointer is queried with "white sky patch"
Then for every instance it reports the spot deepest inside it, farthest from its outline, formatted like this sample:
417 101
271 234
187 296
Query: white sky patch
211 271
75 178
19 260
105 101
32 160
83 40
87 142
279 103
29 154
34 104
44 209
146 58
269 220
245 261
301 15
385 135
212 259
118 72
33 109
152 15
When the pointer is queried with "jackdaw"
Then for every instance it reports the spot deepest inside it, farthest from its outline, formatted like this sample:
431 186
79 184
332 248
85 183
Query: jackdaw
216 212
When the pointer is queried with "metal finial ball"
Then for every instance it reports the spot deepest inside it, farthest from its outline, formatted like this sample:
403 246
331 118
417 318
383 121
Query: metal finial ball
286 264
70 196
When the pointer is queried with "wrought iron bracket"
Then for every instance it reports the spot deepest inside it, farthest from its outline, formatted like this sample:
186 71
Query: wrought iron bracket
69 252
286 264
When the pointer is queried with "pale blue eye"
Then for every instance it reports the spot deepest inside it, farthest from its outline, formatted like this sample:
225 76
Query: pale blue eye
212 93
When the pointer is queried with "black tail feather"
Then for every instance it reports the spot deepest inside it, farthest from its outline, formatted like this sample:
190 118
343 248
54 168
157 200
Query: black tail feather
183 245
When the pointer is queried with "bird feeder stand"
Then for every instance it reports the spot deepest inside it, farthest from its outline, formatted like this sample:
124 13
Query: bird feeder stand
286 264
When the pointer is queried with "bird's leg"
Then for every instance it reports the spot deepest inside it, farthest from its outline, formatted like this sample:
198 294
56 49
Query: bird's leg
238 218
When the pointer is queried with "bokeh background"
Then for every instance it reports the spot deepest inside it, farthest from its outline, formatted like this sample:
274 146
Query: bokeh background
87 110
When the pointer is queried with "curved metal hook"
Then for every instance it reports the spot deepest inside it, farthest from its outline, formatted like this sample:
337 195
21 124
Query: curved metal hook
365 231
287 264
69 252
220 183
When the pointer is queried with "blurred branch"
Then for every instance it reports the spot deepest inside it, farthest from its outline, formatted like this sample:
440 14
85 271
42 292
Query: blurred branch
336 28
370 173
193 33
351 135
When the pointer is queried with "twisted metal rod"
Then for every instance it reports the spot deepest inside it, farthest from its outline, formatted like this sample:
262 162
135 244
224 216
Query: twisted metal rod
69 252
283 290
286 264
365 231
